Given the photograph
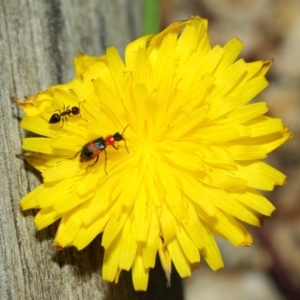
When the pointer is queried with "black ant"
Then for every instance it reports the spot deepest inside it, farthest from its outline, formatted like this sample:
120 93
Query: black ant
62 116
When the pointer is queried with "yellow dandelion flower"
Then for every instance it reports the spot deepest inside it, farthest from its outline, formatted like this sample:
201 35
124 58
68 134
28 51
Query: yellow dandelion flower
193 166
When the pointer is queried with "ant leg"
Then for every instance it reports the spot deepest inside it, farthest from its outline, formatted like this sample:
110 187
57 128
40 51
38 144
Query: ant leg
125 145
81 102
93 163
124 139
63 119
105 162
75 154
82 118
117 148
62 124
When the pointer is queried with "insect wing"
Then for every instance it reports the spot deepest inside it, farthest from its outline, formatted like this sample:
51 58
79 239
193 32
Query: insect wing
99 144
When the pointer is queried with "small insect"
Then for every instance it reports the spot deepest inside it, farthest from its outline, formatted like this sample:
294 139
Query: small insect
92 150
62 116
110 140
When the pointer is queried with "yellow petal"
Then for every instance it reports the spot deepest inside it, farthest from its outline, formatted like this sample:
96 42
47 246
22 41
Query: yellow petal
193 227
132 48
254 200
211 252
165 260
227 227
64 169
259 175
128 245
246 113
228 80
223 179
30 200
246 152
114 226
231 51
142 212
69 227
72 200
45 217
37 125
116 67
111 259
232 207
151 245
87 233
249 90
179 259
42 145
223 133
167 224
264 125
140 274
188 247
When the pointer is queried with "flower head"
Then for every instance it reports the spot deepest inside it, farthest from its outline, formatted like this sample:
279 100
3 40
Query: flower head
193 165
